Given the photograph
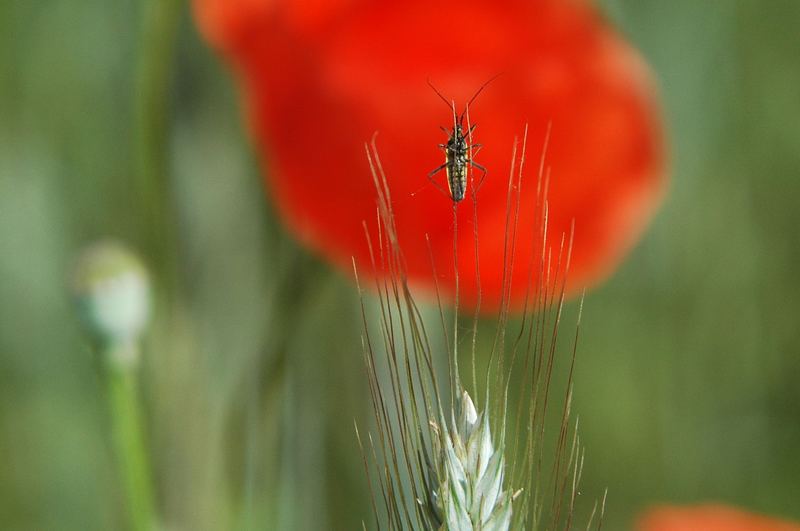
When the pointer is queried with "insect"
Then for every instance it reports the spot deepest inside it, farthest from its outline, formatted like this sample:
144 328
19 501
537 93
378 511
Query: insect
458 151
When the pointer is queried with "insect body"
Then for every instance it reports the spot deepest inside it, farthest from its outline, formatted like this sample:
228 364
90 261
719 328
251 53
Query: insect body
458 152
456 162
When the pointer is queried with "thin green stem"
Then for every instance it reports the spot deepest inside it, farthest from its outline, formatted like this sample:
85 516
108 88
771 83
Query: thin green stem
129 439
159 29
153 204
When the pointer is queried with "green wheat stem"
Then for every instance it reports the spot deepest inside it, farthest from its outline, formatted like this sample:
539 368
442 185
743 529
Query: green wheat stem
128 437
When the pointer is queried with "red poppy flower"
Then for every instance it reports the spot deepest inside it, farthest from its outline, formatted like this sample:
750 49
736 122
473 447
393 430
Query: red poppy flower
320 78
710 518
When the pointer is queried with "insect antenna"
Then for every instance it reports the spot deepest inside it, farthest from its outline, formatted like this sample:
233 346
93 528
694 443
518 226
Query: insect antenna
477 93
450 104
446 102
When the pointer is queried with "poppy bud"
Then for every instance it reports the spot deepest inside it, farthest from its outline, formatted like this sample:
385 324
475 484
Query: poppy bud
112 290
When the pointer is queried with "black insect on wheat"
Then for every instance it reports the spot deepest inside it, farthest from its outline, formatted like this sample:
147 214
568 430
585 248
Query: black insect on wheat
435 460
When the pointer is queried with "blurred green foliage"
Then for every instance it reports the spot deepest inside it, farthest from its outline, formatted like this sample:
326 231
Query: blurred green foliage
687 383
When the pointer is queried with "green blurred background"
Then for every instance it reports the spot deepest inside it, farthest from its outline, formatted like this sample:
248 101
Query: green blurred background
689 359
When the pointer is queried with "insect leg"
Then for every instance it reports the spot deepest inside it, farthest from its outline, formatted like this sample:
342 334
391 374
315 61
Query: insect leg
433 182
437 170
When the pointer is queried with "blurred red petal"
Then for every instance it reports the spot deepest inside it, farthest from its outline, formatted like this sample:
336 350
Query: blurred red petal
709 518
320 81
